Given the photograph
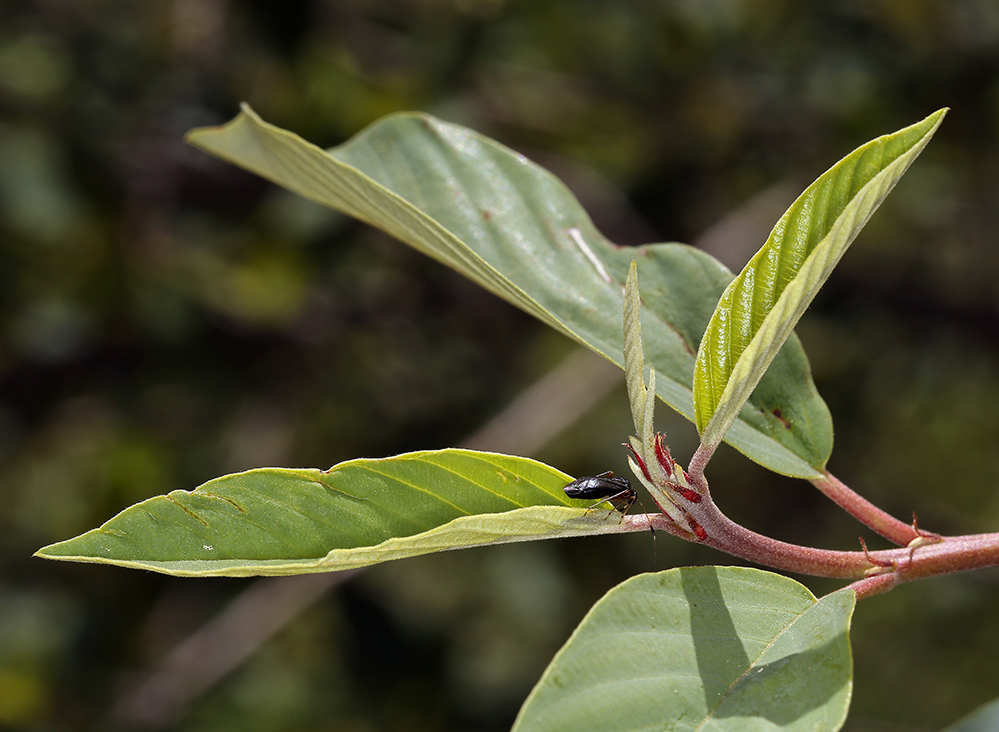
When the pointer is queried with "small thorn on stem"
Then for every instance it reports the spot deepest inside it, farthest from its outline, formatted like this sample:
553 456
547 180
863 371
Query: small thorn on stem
924 537
877 566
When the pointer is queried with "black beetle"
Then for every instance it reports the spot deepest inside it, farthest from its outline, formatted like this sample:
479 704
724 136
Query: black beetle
615 491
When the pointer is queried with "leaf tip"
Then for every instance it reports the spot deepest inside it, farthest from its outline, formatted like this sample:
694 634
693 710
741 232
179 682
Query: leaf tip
46 552
631 283
194 135
938 116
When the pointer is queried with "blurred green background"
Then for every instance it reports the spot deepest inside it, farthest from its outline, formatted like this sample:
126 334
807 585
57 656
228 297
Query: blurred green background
167 318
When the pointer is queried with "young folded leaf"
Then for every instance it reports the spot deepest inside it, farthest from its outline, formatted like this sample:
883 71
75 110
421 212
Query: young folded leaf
760 307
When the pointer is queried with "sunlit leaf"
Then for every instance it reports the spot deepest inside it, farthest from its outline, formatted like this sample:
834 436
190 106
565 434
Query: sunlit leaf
515 229
274 521
701 648
761 306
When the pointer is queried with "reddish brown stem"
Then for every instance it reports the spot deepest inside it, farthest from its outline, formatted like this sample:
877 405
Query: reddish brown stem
938 555
727 536
695 469
896 531
876 584
873 572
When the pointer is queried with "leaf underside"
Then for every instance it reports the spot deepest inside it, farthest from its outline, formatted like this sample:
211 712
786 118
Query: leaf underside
511 226
701 648
983 719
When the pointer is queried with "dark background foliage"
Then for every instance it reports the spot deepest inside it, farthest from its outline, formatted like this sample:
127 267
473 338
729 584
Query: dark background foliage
165 318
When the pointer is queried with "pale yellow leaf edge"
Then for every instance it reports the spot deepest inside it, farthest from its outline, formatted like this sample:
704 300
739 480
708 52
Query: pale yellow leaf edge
535 523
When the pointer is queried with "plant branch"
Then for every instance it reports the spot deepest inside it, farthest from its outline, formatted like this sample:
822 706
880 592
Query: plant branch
732 538
896 531
695 469
876 584
690 513
873 572
876 571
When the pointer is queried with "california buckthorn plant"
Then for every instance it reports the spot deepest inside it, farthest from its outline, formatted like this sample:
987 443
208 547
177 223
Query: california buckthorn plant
711 647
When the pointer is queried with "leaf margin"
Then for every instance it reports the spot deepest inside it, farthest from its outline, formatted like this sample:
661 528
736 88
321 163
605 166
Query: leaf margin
716 409
760 445
844 598
561 517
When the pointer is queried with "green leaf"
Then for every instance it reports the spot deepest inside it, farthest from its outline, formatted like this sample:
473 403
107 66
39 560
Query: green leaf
634 357
515 229
983 719
760 307
701 648
275 521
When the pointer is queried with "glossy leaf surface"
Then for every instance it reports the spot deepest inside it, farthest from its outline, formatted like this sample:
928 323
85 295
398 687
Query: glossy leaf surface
701 648
761 306
274 521
515 229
